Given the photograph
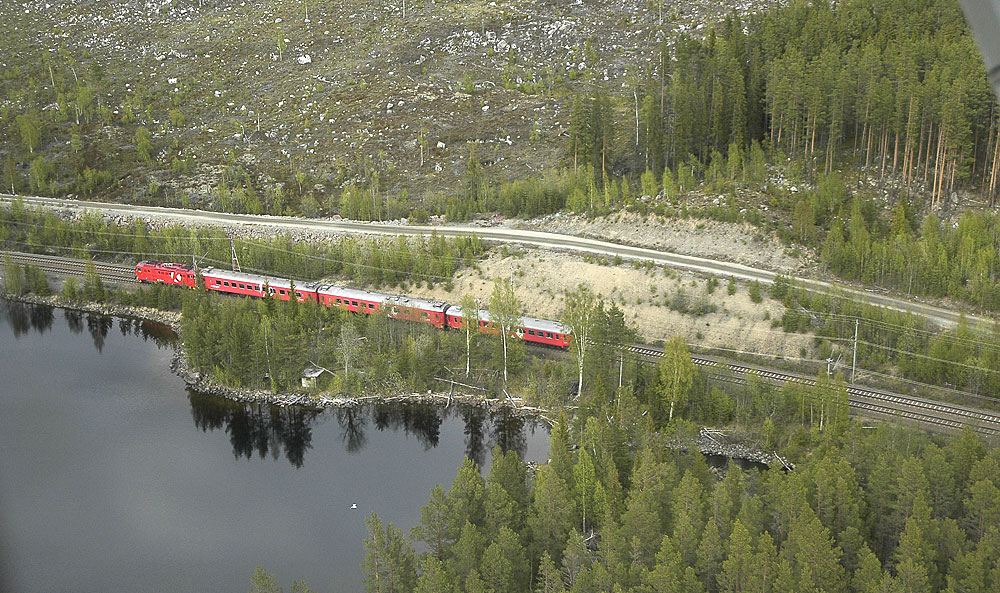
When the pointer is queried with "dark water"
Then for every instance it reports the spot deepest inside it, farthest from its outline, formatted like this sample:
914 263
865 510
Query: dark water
113 477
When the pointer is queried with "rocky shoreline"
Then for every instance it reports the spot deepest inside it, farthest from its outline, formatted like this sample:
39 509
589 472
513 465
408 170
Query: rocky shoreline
708 442
712 443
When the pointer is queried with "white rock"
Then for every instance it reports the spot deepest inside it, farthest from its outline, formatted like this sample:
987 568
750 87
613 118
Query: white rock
304 59
486 108
440 145
171 81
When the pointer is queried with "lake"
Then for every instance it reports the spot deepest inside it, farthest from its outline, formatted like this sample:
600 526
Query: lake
115 477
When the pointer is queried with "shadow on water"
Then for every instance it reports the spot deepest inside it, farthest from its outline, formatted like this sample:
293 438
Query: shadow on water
24 317
255 428
267 430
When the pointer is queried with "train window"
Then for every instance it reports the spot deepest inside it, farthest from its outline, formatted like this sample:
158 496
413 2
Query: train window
423 314
371 306
548 335
355 303
225 282
243 286
282 291
338 301
270 290
531 332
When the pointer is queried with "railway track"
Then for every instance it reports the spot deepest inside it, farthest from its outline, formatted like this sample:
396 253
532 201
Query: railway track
66 266
882 403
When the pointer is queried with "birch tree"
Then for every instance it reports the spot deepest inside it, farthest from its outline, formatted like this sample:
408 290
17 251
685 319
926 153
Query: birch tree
504 312
675 375
470 321
580 313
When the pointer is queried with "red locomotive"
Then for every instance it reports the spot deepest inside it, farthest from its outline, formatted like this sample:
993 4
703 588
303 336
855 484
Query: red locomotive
437 313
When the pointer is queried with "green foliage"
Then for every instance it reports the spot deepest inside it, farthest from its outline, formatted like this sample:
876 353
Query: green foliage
29 126
754 292
675 375
505 311
263 581
144 144
14 281
389 564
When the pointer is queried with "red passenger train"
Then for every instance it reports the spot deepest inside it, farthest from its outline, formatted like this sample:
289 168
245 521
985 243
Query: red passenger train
437 313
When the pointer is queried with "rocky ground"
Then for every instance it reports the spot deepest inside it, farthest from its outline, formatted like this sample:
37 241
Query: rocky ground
331 88
736 242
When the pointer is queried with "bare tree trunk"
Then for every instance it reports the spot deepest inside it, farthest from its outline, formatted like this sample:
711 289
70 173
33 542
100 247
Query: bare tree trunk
938 170
927 154
895 152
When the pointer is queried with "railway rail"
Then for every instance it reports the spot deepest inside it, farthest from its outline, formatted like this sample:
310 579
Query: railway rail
66 266
883 403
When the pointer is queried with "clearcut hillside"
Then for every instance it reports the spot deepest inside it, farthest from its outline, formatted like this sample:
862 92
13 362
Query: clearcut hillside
290 101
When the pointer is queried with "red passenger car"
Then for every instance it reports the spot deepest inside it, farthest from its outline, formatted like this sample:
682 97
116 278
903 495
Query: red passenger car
419 310
529 329
254 285
351 299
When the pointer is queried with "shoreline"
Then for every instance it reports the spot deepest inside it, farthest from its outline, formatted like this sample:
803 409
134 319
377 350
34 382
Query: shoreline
201 383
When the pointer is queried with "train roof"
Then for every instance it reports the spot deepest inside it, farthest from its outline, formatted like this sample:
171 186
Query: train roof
381 297
161 264
545 325
258 279
404 301
352 293
527 322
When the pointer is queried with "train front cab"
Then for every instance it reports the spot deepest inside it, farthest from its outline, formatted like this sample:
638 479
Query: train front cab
164 273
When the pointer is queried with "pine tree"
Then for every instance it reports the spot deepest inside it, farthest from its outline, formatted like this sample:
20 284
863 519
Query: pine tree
584 481
549 579
388 565
434 578
466 555
688 516
434 528
551 515
738 565
465 499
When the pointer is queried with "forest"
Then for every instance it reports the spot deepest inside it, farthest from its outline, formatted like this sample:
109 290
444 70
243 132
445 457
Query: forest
618 507
615 510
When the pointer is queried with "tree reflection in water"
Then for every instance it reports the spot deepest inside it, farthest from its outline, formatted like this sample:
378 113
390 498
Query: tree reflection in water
266 429
255 428
23 317
352 422
475 447
74 319
422 421
99 326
